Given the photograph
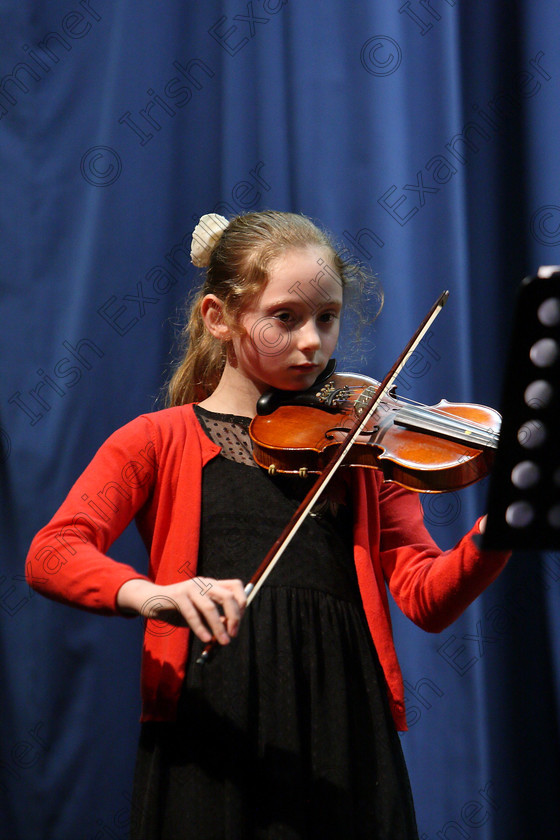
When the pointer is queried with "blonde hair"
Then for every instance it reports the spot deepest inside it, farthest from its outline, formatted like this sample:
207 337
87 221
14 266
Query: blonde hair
236 274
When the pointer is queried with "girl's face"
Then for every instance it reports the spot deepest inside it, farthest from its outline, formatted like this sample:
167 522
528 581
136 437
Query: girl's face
291 328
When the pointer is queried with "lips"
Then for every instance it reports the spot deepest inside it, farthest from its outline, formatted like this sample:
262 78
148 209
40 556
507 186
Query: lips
305 368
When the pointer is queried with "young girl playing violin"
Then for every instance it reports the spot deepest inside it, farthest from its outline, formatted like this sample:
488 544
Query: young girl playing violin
290 729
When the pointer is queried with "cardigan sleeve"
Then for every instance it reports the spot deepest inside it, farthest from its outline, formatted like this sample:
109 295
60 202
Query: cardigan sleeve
432 587
67 560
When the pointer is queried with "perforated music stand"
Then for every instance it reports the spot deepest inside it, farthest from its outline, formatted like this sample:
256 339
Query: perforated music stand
524 494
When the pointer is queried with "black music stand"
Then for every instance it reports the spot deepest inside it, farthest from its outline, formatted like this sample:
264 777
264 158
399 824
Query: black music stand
524 494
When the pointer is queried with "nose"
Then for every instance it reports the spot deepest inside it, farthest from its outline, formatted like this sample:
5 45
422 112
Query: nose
309 339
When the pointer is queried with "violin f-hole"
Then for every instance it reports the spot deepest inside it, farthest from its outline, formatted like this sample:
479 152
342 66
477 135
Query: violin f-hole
329 434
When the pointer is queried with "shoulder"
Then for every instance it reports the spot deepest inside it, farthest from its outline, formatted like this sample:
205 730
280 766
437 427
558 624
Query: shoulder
167 421
155 432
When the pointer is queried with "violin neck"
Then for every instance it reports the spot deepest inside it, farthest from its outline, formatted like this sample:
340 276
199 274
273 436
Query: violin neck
451 427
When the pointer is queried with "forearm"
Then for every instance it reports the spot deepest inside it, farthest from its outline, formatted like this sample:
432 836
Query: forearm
432 587
88 579
68 559
433 591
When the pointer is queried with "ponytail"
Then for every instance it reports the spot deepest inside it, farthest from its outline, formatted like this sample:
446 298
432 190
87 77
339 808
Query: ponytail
199 372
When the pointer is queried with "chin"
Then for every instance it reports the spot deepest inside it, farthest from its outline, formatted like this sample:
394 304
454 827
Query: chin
302 381
293 380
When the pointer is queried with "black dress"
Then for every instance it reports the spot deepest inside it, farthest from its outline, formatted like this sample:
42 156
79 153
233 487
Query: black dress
286 733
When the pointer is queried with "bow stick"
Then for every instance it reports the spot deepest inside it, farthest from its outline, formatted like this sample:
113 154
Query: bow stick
293 526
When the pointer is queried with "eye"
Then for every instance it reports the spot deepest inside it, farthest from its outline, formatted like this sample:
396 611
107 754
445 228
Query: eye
283 316
328 317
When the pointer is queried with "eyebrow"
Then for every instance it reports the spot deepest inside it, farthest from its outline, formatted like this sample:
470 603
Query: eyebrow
301 298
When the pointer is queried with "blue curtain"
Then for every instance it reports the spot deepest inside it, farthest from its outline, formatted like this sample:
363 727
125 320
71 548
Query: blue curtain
424 135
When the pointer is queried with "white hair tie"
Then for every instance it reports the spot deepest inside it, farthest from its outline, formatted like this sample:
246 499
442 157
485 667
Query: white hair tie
205 237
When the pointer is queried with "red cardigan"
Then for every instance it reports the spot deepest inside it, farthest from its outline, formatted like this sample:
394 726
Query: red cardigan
151 469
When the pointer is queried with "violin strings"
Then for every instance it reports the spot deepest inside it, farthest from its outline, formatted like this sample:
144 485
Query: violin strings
427 410
466 429
462 430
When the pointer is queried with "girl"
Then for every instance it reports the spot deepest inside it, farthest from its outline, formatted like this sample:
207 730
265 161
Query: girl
290 730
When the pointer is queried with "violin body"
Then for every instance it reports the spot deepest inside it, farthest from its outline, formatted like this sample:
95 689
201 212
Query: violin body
427 449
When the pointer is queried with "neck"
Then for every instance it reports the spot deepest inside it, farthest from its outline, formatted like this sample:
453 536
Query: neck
235 394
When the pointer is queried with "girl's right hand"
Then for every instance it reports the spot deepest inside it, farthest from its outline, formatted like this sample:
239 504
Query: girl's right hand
193 603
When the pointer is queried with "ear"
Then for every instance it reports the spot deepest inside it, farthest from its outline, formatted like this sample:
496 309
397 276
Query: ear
211 310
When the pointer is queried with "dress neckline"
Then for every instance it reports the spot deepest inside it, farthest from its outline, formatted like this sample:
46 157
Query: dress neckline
226 418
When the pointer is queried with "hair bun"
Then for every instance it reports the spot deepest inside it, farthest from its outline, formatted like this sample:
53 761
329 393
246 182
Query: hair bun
205 237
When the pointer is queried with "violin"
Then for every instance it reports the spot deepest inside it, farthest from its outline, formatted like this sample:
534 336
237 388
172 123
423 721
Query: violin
429 449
